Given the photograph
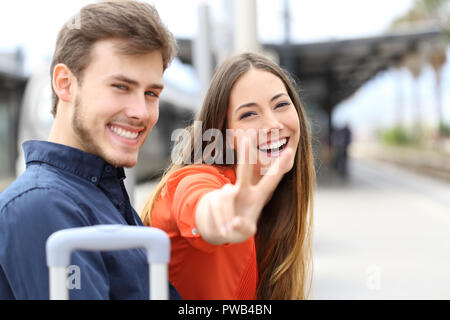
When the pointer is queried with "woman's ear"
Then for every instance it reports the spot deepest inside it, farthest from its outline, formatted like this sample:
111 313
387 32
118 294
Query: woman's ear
63 82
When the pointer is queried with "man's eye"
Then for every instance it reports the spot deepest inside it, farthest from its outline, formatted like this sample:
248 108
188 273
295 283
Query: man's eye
246 115
120 86
152 94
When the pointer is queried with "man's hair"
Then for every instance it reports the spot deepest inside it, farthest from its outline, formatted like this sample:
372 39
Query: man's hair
137 23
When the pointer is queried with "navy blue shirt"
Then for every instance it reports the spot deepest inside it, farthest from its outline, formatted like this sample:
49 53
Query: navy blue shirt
62 188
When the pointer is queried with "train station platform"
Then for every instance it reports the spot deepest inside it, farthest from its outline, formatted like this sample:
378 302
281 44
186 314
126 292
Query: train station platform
382 234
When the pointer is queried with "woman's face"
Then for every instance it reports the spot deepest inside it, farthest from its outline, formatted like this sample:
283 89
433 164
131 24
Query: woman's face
261 108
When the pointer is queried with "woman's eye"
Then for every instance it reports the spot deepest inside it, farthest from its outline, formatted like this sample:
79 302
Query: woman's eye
282 104
246 115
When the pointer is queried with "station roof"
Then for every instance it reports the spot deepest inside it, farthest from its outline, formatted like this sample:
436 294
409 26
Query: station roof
11 74
331 71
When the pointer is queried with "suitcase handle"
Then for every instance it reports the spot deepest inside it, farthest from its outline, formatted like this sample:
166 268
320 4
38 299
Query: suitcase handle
60 245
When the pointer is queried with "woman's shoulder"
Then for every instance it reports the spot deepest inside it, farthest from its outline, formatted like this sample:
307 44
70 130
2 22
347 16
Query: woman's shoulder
224 173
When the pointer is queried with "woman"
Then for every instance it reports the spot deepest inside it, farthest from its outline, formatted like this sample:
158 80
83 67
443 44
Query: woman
242 231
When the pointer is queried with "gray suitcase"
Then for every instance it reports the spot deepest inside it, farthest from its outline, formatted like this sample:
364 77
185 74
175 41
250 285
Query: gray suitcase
60 245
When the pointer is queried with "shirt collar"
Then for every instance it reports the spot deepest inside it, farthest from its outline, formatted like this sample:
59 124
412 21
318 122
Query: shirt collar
78 162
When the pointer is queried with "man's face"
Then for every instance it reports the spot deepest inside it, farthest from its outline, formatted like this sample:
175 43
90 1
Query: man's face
117 103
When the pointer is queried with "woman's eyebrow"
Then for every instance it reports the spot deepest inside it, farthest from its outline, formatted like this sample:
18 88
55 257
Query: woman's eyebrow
252 104
245 105
277 96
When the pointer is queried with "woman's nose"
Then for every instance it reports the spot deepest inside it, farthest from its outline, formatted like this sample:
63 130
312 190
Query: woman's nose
271 122
271 128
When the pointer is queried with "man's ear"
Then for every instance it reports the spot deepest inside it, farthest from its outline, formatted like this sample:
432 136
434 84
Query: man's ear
63 82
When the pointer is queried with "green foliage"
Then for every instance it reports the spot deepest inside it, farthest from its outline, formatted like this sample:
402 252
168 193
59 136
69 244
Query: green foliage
431 5
397 136
427 10
444 130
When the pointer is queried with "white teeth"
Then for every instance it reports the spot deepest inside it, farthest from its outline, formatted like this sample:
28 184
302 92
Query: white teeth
273 145
124 133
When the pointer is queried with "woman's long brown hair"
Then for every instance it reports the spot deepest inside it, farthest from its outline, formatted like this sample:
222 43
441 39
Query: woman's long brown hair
283 237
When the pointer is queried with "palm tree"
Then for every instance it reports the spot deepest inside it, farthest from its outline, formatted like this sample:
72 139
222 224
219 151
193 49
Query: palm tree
433 13
414 63
437 60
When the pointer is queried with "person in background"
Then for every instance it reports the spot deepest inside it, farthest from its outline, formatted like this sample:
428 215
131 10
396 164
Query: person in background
106 76
341 139
242 230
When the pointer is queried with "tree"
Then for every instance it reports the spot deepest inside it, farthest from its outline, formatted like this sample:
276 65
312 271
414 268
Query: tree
433 13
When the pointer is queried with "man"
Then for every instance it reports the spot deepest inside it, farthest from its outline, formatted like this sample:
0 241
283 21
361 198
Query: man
107 78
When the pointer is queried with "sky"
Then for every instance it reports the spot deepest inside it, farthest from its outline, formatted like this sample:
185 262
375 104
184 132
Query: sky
33 25
312 20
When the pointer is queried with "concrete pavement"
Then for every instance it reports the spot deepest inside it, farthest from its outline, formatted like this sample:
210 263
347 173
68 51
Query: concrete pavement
384 234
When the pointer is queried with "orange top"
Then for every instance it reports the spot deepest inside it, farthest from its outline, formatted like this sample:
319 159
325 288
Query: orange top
198 269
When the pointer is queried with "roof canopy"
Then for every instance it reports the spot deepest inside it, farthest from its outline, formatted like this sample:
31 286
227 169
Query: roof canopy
330 72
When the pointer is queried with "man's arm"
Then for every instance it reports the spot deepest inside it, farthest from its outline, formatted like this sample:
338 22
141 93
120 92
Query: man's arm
5 289
26 222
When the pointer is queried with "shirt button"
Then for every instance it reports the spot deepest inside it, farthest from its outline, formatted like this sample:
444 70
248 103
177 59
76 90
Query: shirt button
94 179
195 231
108 169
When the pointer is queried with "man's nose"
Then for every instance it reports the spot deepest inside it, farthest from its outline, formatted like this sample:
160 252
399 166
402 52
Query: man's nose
138 108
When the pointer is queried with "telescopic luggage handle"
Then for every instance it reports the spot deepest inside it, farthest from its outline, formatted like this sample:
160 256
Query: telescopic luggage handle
60 245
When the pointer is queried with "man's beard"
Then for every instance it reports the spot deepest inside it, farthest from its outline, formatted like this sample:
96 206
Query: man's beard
87 140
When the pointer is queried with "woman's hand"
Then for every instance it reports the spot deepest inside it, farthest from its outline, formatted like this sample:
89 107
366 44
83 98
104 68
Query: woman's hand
230 214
